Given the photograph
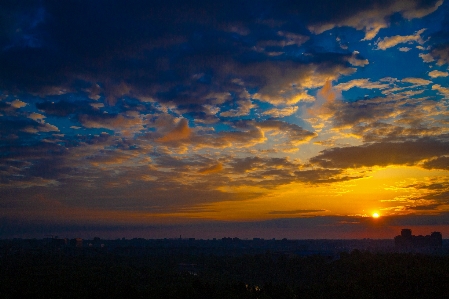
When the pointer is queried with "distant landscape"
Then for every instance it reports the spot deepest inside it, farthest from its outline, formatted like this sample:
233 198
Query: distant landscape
221 268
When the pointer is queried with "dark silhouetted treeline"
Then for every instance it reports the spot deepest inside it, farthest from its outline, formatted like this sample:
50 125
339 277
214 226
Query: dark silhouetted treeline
105 275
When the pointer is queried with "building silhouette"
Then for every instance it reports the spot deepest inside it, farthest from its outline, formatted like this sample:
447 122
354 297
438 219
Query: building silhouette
77 242
407 240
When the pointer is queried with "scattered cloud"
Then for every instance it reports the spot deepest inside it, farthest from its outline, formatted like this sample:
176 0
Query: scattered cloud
440 54
443 90
281 112
361 83
211 169
417 81
426 57
373 16
294 212
18 104
436 74
382 154
389 42
179 133
437 163
181 112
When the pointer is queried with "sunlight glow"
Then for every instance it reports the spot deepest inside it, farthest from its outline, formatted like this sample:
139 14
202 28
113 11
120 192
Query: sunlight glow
376 215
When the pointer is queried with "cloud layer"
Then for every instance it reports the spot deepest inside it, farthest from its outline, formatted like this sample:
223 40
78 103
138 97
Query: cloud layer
184 111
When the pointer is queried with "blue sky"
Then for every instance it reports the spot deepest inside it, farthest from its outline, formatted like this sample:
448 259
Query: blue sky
131 118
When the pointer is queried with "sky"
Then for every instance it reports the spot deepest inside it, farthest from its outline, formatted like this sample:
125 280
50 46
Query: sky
207 119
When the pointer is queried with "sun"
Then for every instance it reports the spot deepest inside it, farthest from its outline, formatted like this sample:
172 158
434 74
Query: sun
376 215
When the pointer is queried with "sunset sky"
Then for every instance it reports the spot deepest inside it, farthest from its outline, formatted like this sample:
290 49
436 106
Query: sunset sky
272 119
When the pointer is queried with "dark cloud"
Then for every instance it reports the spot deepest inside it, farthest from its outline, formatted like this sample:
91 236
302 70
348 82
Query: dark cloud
438 163
370 16
173 51
441 54
246 164
294 212
64 108
331 11
362 111
382 154
317 176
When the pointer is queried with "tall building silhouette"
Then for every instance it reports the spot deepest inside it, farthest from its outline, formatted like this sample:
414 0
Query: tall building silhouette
407 240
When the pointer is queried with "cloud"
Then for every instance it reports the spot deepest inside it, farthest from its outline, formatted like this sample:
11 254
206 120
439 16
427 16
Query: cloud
36 116
295 133
201 104
281 40
44 127
443 90
274 172
404 49
357 61
323 108
398 115
293 212
382 154
292 38
183 136
280 112
361 83
389 42
211 169
426 57
323 176
287 84
440 54
373 16
327 92
438 163
18 104
246 134
127 122
64 108
244 108
416 81
189 66
30 183
436 74
179 133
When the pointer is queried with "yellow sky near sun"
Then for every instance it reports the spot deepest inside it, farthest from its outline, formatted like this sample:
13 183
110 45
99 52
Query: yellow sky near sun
387 191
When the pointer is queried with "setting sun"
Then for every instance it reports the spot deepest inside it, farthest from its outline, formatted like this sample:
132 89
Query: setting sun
376 215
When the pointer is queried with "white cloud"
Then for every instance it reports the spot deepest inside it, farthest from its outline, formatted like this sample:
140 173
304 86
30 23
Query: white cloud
441 89
389 42
244 108
357 62
416 81
18 104
286 98
281 112
36 116
361 83
426 57
435 74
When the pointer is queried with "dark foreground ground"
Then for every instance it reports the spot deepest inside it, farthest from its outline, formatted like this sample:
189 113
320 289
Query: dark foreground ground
101 274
